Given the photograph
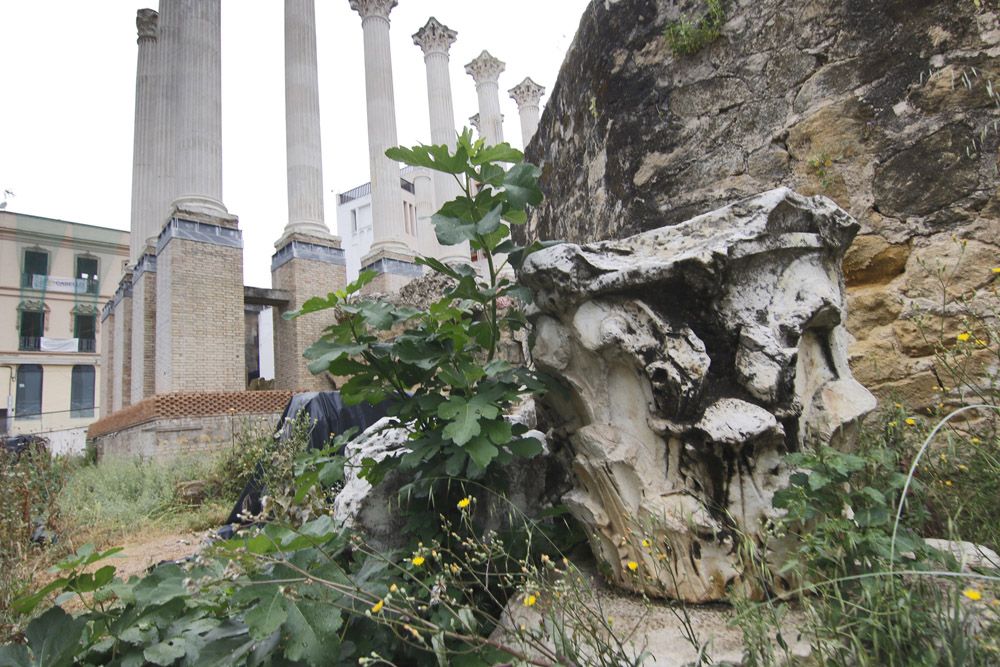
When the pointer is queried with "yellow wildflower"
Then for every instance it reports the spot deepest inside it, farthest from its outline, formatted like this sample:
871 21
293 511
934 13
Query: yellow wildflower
417 560
964 336
377 607
947 482
464 502
963 468
996 269
393 588
632 565
530 600
646 543
975 441
972 594
910 421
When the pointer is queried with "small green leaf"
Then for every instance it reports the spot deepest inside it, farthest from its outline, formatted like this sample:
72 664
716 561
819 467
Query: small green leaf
481 451
267 615
54 637
167 652
521 185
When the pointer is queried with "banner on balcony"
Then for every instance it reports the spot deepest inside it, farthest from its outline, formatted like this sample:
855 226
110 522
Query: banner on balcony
60 344
57 284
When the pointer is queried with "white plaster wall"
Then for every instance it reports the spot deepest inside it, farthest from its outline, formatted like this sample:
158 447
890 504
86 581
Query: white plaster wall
265 338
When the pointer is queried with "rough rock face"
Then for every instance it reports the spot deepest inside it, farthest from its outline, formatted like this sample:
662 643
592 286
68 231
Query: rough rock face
696 356
880 106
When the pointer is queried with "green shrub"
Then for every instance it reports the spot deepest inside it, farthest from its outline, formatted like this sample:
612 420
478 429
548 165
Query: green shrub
688 35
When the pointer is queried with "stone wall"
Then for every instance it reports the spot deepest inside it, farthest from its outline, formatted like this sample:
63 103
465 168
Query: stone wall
879 106
166 425
164 439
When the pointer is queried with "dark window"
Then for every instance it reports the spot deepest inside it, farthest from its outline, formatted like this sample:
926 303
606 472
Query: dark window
86 271
28 404
36 263
81 401
85 328
32 330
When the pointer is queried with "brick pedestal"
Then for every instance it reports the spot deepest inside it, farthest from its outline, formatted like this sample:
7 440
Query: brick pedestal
304 266
394 271
199 303
144 327
121 362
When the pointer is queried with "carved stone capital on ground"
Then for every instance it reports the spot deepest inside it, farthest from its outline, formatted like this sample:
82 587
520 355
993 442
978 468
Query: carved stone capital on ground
696 357
435 37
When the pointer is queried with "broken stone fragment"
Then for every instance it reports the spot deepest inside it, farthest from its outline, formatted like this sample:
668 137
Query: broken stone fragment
696 358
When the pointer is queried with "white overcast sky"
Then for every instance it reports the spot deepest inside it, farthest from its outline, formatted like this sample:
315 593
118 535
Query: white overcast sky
67 98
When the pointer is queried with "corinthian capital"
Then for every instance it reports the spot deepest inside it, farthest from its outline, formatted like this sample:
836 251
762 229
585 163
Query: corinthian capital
527 92
145 22
485 68
434 37
373 7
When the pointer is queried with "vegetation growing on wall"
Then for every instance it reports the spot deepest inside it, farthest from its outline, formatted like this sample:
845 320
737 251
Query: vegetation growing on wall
689 35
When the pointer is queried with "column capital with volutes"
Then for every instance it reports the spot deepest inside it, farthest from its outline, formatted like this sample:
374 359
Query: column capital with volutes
145 23
485 68
435 37
370 8
527 93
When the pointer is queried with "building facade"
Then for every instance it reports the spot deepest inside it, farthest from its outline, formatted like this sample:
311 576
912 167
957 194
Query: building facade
54 277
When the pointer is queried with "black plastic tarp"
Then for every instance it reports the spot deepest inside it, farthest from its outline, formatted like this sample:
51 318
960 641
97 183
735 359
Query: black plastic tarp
329 416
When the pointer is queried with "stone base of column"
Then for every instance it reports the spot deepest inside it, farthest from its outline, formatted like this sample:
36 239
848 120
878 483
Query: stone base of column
121 364
144 326
304 266
394 270
199 303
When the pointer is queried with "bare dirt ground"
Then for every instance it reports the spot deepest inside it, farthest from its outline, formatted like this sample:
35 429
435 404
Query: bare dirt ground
142 551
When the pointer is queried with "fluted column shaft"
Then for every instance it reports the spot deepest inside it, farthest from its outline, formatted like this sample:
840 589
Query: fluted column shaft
485 71
527 95
490 119
387 195
165 113
198 140
435 40
143 167
302 121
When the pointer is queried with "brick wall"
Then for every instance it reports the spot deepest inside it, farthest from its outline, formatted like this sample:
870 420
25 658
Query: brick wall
183 405
303 279
199 318
143 336
121 369
107 363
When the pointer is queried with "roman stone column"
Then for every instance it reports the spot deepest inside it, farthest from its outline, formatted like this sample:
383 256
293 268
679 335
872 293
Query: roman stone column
198 140
389 256
165 113
435 40
143 179
485 71
107 385
302 127
308 260
199 252
527 94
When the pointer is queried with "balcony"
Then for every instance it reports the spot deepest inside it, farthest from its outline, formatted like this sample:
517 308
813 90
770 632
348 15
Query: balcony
29 343
44 282
43 344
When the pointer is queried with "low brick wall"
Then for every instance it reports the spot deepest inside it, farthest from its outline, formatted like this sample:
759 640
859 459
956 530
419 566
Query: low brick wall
168 425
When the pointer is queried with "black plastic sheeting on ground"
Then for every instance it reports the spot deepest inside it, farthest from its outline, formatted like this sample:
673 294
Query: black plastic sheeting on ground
330 417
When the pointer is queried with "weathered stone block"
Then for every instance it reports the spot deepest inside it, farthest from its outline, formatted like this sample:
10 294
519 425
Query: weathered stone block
696 357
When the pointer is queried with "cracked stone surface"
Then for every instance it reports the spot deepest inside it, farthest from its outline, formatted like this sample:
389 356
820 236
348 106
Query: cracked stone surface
886 108
695 358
